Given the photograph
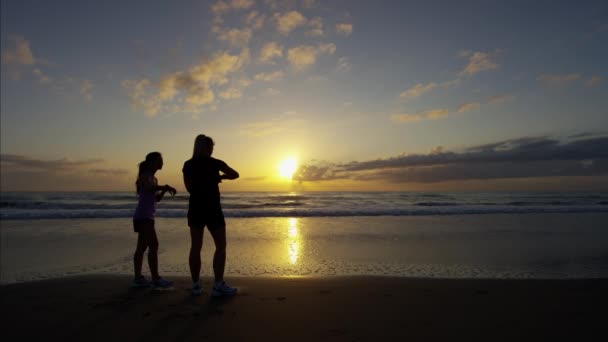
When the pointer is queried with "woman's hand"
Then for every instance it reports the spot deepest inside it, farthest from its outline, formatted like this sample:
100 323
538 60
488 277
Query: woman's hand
170 189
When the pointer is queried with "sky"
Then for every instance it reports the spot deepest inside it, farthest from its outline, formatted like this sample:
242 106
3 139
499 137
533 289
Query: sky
365 95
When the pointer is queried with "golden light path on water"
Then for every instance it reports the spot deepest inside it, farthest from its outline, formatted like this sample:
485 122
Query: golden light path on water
293 241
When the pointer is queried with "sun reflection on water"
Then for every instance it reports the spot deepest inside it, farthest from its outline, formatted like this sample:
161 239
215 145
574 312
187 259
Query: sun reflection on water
293 241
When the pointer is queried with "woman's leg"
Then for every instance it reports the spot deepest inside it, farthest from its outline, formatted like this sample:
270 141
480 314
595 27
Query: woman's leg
138 257
219 258
151 240
196 238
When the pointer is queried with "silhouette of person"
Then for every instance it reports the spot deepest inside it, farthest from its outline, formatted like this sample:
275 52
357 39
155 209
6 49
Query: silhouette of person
149 192
202 174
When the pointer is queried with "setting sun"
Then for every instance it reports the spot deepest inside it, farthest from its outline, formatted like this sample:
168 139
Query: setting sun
288 167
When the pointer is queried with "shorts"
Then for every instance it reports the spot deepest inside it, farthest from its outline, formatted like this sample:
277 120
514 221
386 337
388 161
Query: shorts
212 218
141 224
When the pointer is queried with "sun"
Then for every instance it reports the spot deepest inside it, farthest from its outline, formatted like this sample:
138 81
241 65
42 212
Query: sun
288 167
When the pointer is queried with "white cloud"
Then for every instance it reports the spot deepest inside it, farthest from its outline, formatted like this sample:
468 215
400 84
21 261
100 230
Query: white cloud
86 90
344 29
21 54
289 21
479 61
231 93
269 52
500 99
595 80
417 90
304 55
235 37
433 114
195 84
308 3
344 64
271 92
469 106
558 79
316 25
255 20
269 77
42 78
222 6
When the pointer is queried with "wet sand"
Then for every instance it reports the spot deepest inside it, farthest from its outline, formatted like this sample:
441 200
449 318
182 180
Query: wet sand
362 308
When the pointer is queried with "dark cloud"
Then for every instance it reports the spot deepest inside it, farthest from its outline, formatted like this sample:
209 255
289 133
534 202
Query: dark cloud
22 162
254 179
514 158
109 172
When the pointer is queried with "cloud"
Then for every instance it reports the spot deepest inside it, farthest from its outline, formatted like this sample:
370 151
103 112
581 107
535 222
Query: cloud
86 90
236 37
417 90
500 99
109 172
316 25
478 62
21 54
231 93
271 92
255 20
269 76
195 84
305 55
595 80
344 29
221 6
289 21
344 64
253 179
514 158
269 52
469 106
25 173
42 77
433 114
272 127
308 3
558 79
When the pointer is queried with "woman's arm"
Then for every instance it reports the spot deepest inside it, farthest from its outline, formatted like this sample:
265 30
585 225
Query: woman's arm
163 189
228 172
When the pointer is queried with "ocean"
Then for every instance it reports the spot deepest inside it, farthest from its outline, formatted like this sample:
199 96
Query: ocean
72 205
406 234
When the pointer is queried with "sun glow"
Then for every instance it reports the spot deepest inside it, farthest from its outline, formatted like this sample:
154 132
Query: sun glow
288 167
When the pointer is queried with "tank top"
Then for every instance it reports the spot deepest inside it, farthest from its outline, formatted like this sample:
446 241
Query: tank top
146 204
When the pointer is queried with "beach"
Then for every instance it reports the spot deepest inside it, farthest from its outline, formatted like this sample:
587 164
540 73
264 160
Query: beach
358 308
432 270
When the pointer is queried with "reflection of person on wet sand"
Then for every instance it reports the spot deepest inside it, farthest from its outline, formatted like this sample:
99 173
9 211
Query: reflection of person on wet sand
143 220
202 174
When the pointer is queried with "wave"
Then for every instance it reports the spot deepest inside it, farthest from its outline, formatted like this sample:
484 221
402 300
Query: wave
310 212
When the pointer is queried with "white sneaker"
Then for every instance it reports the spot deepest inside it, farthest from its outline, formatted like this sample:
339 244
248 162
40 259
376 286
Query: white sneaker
221 289
197 289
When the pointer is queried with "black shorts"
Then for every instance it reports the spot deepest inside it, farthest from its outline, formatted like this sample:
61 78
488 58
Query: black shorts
213 218
141 224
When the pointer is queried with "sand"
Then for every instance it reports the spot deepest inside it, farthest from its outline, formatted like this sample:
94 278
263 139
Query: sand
362 308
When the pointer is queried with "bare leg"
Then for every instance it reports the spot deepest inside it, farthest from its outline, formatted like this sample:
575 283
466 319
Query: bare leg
138 257
196 238
152 242
219 258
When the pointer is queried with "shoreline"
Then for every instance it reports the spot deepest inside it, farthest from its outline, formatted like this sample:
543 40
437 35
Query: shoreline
102 307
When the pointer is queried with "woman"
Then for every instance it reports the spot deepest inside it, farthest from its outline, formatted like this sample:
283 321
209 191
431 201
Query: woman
202 174
143 220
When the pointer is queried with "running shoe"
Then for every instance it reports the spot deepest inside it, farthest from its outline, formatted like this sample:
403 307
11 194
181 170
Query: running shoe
222 289
141 282
197 289
164 283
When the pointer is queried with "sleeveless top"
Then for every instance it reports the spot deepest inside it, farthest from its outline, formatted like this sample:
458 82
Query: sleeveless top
146 204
